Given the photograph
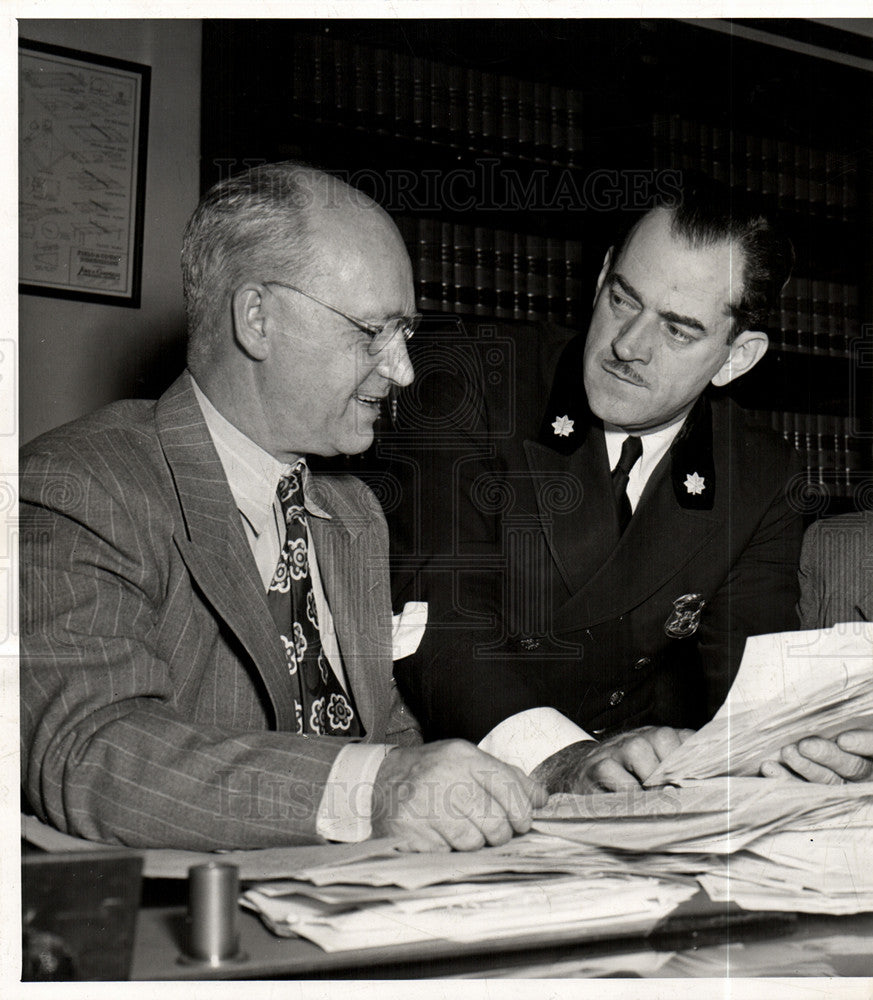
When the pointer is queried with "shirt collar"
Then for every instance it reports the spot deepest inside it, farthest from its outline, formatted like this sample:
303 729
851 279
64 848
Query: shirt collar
655 443
252 473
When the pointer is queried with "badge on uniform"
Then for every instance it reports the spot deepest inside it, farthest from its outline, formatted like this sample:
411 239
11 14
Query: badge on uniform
684 620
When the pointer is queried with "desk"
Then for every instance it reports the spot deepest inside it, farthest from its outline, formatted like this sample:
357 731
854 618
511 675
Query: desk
723 932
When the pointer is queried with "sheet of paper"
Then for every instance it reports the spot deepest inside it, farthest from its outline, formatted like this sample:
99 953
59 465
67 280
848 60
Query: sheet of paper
719 815
789 685
509 910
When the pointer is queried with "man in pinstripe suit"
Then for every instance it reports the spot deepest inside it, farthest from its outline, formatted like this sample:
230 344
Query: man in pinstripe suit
157 706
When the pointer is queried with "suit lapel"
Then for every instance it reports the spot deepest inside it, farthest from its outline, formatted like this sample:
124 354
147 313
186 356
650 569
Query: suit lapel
670 526
569 474
353 566
213 545
581 530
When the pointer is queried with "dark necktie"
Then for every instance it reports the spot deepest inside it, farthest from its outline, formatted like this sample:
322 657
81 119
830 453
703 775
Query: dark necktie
631 449
322 705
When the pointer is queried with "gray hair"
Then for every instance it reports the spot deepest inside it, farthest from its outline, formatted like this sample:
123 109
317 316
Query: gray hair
256 224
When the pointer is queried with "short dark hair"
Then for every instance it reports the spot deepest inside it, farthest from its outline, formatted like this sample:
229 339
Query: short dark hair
705 213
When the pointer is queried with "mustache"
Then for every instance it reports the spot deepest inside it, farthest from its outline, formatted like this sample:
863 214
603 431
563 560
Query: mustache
623 369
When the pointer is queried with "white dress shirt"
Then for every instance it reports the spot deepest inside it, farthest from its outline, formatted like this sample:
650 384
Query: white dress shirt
253 476
530 737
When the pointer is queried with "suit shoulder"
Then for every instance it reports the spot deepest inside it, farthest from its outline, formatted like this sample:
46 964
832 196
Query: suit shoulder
758 444
116 447
127 419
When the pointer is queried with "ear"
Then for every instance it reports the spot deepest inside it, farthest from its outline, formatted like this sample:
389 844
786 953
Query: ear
607 264
745 352
249 320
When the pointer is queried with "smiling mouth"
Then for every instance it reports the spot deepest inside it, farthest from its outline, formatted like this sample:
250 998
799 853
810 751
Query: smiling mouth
624 373
373 401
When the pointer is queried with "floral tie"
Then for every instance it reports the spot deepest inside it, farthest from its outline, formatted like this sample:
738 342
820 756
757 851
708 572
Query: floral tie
321 704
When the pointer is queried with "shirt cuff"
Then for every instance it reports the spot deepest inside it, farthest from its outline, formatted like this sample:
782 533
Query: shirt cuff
528 738
346 807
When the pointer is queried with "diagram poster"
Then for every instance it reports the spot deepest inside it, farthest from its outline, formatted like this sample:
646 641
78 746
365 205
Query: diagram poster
83 123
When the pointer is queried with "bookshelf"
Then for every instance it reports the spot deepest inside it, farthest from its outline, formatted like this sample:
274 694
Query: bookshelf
506 150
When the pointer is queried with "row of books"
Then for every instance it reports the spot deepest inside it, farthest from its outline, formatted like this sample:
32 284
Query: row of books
394 93
816 317
832 456
492 272
798 177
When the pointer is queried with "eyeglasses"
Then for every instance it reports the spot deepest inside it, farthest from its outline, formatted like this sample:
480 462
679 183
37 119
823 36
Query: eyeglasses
381 336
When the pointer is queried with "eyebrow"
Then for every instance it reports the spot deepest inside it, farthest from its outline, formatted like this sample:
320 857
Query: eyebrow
671 317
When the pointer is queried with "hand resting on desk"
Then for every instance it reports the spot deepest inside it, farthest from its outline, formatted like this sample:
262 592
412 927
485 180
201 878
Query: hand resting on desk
847 757
622 761
449 794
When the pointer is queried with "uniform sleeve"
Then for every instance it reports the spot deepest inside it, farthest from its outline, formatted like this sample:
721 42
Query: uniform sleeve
758 596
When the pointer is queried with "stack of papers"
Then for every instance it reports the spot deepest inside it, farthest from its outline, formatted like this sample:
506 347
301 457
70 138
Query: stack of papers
535 884
625 860
789 685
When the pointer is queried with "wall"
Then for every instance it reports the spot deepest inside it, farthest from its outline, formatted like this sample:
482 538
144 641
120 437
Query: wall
76 356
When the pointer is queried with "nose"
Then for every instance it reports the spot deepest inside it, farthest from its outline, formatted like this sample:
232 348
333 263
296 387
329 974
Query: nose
394 363
633 341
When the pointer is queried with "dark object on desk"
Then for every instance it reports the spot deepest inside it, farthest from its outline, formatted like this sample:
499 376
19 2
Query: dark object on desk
79 914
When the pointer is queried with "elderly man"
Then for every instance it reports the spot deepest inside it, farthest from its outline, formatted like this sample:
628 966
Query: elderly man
206 651
606 534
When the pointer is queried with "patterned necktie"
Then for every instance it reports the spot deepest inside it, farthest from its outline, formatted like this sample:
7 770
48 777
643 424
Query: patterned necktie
631 449
321 704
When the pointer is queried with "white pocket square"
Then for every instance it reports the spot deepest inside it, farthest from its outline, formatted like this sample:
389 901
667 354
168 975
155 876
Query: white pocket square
407 629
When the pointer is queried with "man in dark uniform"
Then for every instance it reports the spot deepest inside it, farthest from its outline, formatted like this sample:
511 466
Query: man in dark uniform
597 538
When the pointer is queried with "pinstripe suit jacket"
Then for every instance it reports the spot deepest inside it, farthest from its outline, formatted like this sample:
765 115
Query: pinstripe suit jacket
156 706
836 571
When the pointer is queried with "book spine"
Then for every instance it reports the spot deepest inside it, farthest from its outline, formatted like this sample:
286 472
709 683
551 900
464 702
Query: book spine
575 128
403 111
519 277
457 98
555 280
537 305
429 264
464 271
558 125
526 144
542 122
483 272
420 95
572 282
804 314
383 97
508 126
503 281
447 266
820 318
440 121
488 106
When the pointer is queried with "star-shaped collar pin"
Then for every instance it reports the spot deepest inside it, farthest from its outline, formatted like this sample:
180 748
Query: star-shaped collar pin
695 484
563 426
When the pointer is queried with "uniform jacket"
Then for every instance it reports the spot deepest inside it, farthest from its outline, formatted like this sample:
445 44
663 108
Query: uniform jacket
156 704
508 529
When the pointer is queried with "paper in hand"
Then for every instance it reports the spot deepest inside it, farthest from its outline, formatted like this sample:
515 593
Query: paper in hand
789 685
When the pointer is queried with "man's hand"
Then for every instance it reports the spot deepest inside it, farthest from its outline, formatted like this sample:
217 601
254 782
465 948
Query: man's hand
450 795
848 757
622 761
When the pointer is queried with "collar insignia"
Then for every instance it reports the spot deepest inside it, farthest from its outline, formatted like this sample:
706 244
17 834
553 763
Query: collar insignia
695 484
563 426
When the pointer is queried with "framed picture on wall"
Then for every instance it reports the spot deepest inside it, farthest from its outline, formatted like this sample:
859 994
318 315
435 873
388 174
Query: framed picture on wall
83 136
